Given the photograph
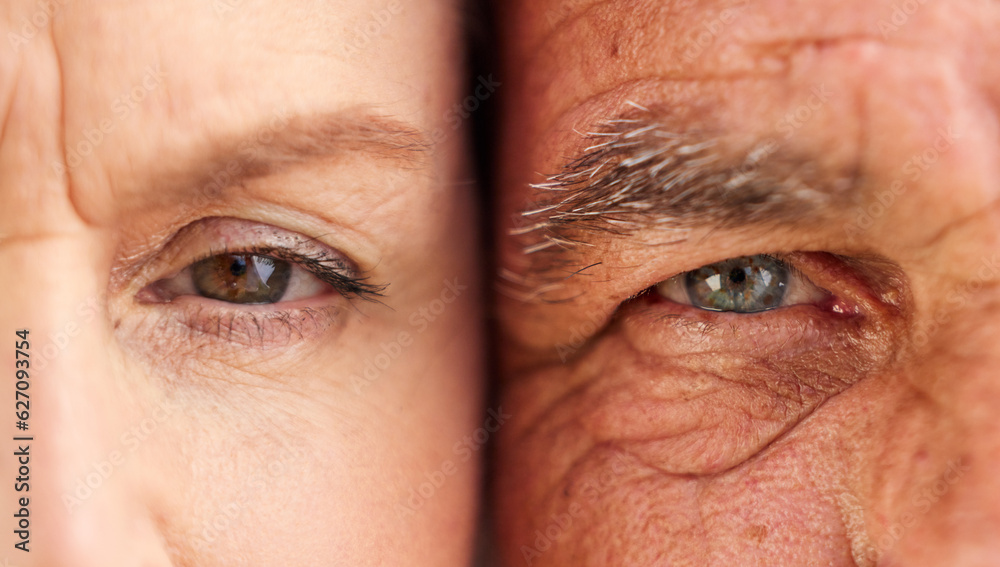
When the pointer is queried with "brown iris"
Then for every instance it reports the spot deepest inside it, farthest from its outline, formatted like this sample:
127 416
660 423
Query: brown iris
242 278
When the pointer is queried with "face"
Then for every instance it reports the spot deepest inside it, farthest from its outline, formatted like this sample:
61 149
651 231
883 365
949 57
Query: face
238 258
750 306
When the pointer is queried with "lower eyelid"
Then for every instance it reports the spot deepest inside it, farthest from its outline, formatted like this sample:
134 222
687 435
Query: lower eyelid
198 322
663 327
258 328
696 392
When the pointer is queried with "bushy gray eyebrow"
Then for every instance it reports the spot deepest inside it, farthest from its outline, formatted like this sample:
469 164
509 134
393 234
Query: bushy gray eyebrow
636 173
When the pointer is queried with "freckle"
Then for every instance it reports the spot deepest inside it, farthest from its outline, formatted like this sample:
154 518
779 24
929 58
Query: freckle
756 532
118 324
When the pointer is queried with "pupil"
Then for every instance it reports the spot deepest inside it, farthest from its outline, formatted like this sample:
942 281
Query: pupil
737 276
238 268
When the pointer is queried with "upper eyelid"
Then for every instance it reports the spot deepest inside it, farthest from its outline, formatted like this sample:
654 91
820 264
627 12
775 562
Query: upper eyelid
215 235
161 246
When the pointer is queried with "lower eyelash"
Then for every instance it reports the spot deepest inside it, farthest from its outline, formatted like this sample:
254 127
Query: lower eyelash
262 329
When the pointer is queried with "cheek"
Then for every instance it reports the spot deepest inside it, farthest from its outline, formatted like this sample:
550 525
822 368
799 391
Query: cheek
263 469
674 434
700 412
598 503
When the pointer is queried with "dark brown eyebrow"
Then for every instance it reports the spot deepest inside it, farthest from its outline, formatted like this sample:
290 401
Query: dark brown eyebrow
635 173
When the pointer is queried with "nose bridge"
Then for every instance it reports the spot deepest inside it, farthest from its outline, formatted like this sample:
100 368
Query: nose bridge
85 491
69 508
72 407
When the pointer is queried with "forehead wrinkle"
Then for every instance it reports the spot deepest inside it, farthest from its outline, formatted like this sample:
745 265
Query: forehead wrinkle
265 150
571 16
569 13
754 42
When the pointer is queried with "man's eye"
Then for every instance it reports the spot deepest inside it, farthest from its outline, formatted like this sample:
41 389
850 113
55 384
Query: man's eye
242 278
748 284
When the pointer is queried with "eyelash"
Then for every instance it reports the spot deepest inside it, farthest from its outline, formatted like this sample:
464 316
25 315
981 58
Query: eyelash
326 267
265 325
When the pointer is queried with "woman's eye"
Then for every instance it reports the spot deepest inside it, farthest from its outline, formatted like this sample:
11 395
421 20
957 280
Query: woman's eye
748 284
242 278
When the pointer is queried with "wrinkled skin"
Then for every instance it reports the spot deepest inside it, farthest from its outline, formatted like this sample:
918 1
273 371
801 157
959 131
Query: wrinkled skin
652 433
191 431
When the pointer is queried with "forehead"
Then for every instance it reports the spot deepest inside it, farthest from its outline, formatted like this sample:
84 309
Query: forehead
569 50
146 84
906 69
237 53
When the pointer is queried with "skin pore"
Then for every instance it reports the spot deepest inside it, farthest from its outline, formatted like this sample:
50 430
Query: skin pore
854 141
299 143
